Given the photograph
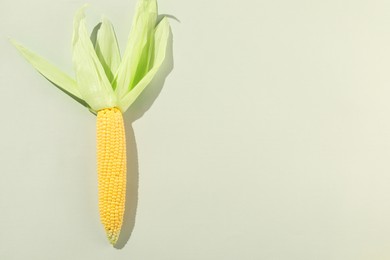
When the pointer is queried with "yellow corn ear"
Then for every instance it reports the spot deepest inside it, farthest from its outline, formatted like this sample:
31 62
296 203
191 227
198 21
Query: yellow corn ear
111 157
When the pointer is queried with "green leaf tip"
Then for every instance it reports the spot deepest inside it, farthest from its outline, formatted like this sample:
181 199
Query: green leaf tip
104 78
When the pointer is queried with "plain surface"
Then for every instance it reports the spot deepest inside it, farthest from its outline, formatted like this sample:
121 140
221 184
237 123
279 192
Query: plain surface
269 140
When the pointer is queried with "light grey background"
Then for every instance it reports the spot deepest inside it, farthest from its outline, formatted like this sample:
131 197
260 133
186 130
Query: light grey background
270 139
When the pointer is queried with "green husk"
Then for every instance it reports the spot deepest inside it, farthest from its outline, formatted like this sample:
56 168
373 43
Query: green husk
133 66
49 71
103 79
93 83
161 36
107 49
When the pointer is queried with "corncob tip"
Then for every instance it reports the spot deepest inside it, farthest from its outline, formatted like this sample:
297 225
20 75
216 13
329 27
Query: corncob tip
112 237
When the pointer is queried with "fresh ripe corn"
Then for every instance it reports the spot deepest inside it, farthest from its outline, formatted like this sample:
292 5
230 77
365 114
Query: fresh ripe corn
108 84
111 158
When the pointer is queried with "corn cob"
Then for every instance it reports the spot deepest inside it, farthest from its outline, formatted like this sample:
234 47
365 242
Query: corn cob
111 154
108 84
